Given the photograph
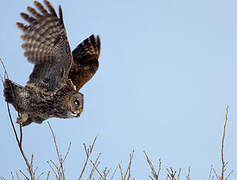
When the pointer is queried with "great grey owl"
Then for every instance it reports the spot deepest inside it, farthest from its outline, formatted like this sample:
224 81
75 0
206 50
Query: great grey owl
58 74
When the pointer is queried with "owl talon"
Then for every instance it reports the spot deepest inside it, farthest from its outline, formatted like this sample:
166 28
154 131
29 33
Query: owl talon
22 118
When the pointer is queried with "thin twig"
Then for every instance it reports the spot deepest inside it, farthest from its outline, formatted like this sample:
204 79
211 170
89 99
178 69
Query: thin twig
18 142
217 177
12 176
5 70
189 171
57 168
222 145
17 176
53 170
210 173
114 173
48 175
129 166
60 159
68 150
97 170
88 153
171 173
224 164
180 173
21 135
40 175
57 150
23 174
35 171
31 162
155 175
227 177
97 164
159 168
106 172
121 171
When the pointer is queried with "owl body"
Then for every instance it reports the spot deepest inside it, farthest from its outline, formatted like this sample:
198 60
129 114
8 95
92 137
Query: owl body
58 74
34 105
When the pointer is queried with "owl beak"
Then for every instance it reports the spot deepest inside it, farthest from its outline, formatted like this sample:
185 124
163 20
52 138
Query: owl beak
78 114
80 110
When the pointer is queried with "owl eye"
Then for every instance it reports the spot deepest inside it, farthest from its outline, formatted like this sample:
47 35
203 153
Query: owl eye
77 102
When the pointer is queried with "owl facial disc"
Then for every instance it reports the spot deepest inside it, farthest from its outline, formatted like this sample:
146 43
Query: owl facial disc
76 104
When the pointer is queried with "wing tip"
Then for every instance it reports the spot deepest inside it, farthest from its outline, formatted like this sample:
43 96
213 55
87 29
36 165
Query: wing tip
36 3
96 42
95 38
60 13
50 8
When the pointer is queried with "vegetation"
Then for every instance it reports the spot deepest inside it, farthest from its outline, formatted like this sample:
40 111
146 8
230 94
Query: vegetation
57 168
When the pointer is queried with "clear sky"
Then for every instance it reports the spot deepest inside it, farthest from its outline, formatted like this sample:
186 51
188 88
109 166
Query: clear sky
167 71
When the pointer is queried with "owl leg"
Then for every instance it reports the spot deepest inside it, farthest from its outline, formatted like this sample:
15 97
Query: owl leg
23 119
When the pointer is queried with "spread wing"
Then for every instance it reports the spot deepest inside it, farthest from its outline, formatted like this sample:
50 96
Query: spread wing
46 46
85 61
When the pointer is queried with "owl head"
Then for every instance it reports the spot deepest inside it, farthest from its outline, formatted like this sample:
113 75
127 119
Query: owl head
76 104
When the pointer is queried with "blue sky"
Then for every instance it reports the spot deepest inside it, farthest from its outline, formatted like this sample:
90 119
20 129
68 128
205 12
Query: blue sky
167 71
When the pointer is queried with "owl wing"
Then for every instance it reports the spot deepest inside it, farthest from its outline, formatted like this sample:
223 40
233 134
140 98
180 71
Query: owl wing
46 46
85 61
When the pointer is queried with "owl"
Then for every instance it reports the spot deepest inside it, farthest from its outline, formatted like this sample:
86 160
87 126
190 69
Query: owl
58 74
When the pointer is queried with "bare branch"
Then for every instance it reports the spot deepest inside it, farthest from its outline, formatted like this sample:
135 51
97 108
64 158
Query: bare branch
210 173
227 177
12 176
96 164
57 168
180 173
128 171
159 168
106 172
48 175
189 171
68 150
5 70
53 170
60 170
121 171
17 176
222 145
171 173
40 175
217 177
23 174
155 175
97 170
114 173
88 153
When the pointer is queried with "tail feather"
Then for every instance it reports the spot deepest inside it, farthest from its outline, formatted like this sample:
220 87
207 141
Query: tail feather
10 90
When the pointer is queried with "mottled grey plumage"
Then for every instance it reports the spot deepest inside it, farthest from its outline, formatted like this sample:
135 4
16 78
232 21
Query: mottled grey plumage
35 105
58 74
